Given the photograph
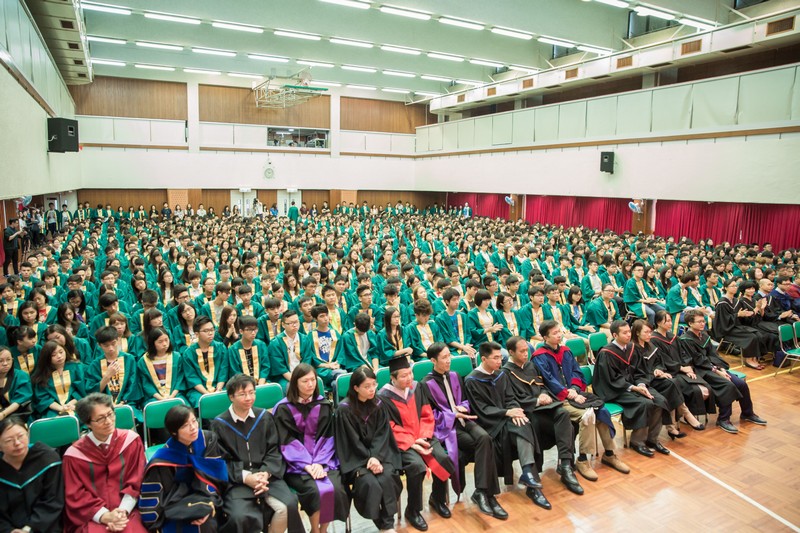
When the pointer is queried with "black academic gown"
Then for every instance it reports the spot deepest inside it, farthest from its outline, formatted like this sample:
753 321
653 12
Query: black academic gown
671 360
704 358
754 321
252 445
34 495
727 327
648 361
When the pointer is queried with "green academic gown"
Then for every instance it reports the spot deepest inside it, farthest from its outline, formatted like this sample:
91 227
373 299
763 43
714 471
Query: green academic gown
351 357
279 356
149 383
238 364
71 388
197 371
124 389
413 333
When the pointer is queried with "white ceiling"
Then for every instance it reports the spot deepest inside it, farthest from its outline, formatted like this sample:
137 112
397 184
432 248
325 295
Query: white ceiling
578 21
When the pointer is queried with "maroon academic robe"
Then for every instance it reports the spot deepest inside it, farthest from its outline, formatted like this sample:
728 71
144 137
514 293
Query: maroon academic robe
94 479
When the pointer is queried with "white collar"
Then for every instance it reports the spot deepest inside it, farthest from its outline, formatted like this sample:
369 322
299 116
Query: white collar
98 442
237 418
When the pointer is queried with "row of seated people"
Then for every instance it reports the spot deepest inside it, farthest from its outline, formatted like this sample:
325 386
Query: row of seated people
250 470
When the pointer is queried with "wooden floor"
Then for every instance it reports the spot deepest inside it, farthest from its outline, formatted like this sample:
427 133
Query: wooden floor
666 493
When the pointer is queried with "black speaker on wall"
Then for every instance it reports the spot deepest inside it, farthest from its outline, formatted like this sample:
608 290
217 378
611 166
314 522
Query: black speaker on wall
62 135
607 162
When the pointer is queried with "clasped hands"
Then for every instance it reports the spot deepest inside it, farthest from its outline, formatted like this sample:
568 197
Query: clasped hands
258 481
116 520
316 471
517 416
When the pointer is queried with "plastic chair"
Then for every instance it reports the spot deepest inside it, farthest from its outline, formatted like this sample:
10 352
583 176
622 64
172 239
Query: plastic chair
578 349
461 365
55 432
597 341
421 369
384 376
342 385
213 404
268 395
154 414
787 335
125 418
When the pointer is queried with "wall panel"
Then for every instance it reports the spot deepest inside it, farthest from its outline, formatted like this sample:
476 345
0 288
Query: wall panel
123 197
362 114
237 105
127 97
311 197
267 197
418 198
216 198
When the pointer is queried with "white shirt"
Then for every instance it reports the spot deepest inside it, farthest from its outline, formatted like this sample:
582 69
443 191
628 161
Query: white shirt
237 418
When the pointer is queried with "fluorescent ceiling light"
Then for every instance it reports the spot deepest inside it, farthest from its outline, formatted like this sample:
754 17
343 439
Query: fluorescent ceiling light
520 68
615 3
348 3
172 18
405 13
93 39
646 11
469 82
556 42
296 35
201 71
696 23
485 63
362 87
160 46
105 8
242 75
461 23
593 50
212 52
356 68
314 83
237 27
283 132
108 62
314 63
399 74
436 78
400 50
348 42
431 95
446 57
397 91
154 67
512 33
274 59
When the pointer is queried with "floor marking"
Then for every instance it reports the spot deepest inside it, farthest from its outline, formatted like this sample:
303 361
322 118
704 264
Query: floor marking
771 374
738 493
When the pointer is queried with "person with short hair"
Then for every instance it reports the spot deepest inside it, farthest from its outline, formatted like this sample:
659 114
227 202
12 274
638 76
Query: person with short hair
12 240
249 355
360 345
205 362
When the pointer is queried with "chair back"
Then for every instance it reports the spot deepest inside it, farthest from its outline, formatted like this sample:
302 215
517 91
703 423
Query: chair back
384 376
268 395
461 365
422 369
154 414
125 418
213 404
55 432
587 370
342 384
597 341
577 347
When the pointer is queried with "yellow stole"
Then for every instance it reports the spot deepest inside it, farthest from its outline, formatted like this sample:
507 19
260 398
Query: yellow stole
11 308
425 335
62 382
512 323
164 389
460 324
308 327
273 327
246 311
245 366
334 340
296 351
208 372
343 303
26 362
123 344
399 338
189 338
336 319
486 323
116 381
537 317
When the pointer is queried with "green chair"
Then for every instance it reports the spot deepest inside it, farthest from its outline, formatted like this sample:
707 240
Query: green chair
268 395
213 404
154 414
787 335
461 365
55 432
740 375
125 418
578 349
587 370
342 385
384 376
422 369
597 341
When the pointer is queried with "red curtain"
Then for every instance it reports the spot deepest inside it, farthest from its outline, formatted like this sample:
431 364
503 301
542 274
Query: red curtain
483 205
595 213
734 222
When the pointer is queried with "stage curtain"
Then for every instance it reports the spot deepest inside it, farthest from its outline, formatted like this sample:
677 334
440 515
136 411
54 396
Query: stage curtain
595 213
483 204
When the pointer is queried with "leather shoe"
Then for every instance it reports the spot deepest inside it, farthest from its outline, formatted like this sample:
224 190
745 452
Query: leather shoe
497 511
569 480
642 450
530 480
440 508
726 426
754 418
537 497
481 499
616 463
416 521
657 446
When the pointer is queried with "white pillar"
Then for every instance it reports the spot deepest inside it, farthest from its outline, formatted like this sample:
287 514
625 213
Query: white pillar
193 122
336 113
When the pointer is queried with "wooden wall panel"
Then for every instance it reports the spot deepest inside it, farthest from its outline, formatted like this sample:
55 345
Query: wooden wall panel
178 197
126 97
123 197
740 63
267 197
216 198
311 197
195 197
418 198
362 114
237 105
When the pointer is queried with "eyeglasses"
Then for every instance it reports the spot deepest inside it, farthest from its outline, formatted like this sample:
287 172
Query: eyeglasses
250 329
248 394
207 330
105 418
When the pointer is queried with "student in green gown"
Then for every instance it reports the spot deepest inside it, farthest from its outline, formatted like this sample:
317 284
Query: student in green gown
288 349
160 369
508 317
601 312
269 325
205 362
57 382
453 324
77 349
365 305
423 332
481 322
392 339
114 373
24 347
326 343
249 355
360 345
15 388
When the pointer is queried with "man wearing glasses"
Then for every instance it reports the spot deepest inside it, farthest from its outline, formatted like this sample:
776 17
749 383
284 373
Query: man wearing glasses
205 362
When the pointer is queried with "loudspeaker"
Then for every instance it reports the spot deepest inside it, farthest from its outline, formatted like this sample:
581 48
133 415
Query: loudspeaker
62 135
607 162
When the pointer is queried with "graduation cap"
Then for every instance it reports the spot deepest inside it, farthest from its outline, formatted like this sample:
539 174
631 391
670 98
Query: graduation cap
398 363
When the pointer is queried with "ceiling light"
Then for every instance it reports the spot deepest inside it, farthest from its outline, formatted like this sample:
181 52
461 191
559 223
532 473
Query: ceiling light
615 3
213 52
348 42
274 59
105 8
314 63
362 87
436 78
108 62
93 39
154 67
520 68
296 35
646 11
446 57
469 82
556 42
348 3
400 50
237 27
325 83
594 50
485 63
399 74
172 18
431 95
405 13
397 91
360 69
241 75
160 46
461 23
200 71
512 33
696 23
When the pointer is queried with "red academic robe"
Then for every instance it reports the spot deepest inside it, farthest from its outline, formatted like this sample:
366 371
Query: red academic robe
94 479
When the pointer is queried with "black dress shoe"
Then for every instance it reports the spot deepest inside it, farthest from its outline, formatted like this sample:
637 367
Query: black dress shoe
416 521
642 450
440 508
480 499
726 426
497 511
754 418
569 480
530 480
537 497
657 446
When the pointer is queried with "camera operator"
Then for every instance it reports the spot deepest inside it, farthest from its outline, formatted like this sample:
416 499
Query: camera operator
11 241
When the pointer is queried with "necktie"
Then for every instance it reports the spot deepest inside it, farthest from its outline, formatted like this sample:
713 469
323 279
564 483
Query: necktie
104 447
450 399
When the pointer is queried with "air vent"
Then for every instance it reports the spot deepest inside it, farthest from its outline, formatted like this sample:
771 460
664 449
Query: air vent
780 26
571 73
81 75
660 65
623 62
527 84
67 24
737 49
604 76
691 47
461 98
491 91
78 62
73 46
